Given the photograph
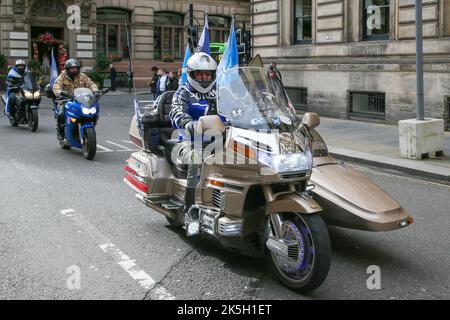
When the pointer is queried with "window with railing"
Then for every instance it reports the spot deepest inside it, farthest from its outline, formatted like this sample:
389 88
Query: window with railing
376 17
168 35
368 104
303 21
298 97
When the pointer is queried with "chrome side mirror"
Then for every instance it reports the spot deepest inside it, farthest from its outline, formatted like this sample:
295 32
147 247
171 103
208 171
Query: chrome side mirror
311 119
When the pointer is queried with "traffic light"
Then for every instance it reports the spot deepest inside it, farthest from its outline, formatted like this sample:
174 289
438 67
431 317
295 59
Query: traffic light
243 38
193 37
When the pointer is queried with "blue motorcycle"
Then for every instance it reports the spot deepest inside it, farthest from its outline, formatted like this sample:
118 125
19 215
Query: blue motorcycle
82 112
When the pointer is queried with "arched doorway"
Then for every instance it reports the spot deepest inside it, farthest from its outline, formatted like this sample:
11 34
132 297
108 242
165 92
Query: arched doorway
48 32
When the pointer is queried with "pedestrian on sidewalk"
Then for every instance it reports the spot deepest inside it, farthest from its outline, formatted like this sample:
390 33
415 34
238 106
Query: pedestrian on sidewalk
113 77
153 82
172 85
161 85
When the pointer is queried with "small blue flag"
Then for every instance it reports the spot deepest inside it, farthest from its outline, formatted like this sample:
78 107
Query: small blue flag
203 43
230 58
187 55
53 71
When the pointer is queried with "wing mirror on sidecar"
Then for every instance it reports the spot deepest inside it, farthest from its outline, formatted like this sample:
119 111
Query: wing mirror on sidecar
207 123
311 119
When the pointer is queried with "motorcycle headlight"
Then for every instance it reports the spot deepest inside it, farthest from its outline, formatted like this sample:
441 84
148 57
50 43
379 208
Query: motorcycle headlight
37 95
28 95
88 111
283 163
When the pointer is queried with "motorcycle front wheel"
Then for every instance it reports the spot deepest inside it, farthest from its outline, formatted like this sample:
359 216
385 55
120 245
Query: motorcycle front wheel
89 145
12 121
33 120
309 252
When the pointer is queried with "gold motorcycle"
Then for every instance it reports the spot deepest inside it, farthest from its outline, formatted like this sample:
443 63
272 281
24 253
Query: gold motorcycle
251 193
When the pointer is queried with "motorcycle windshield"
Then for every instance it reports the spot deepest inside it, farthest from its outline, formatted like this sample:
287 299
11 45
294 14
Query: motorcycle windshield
84 96
250 99
29 82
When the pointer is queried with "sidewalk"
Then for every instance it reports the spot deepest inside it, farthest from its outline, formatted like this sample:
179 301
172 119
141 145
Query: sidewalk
378 144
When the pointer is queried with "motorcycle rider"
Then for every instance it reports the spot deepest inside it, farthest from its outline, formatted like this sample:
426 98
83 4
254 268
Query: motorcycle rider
14 80
193 100
69 80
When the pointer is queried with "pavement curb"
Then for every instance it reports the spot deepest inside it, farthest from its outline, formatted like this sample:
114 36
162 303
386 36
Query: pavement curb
403 165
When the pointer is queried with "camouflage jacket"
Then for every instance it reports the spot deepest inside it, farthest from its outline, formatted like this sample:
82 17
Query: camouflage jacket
64 83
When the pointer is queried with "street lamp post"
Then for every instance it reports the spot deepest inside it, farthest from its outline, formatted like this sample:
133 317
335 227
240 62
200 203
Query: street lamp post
419 61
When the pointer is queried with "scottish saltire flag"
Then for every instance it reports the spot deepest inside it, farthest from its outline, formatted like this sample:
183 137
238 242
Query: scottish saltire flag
187 55
53 71
230 58
203 43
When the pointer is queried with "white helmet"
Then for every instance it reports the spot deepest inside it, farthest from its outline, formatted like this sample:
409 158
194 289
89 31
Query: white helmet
201 62
20 63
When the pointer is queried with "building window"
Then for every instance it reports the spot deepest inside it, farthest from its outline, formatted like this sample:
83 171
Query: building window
298 97
219 28
169 32
368 104
111 32
302 21
376 19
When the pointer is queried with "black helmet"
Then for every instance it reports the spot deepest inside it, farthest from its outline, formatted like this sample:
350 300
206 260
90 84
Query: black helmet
70 64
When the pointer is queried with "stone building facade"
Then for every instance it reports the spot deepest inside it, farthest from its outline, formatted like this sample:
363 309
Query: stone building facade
158 29
356 58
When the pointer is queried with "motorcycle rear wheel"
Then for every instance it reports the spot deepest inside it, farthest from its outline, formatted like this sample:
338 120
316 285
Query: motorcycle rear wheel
33 120
89 145
314 248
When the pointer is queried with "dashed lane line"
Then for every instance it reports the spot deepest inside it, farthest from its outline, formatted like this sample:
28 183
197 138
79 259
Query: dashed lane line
124 148
127 264
104 149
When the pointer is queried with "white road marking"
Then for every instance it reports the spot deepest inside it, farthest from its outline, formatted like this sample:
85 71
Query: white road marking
127 141
119 145
118 256
104 148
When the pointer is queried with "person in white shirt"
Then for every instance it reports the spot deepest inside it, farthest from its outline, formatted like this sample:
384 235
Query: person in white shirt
161 85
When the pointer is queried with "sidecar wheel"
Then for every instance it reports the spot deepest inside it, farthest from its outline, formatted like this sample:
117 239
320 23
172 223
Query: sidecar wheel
312 253
89 144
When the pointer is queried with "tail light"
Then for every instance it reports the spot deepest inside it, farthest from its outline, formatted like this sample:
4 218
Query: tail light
133 178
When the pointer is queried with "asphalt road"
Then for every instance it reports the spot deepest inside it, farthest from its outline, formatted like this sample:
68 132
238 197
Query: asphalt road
62 217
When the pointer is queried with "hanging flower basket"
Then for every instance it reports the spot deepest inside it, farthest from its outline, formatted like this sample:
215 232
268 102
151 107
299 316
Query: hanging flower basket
45 43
